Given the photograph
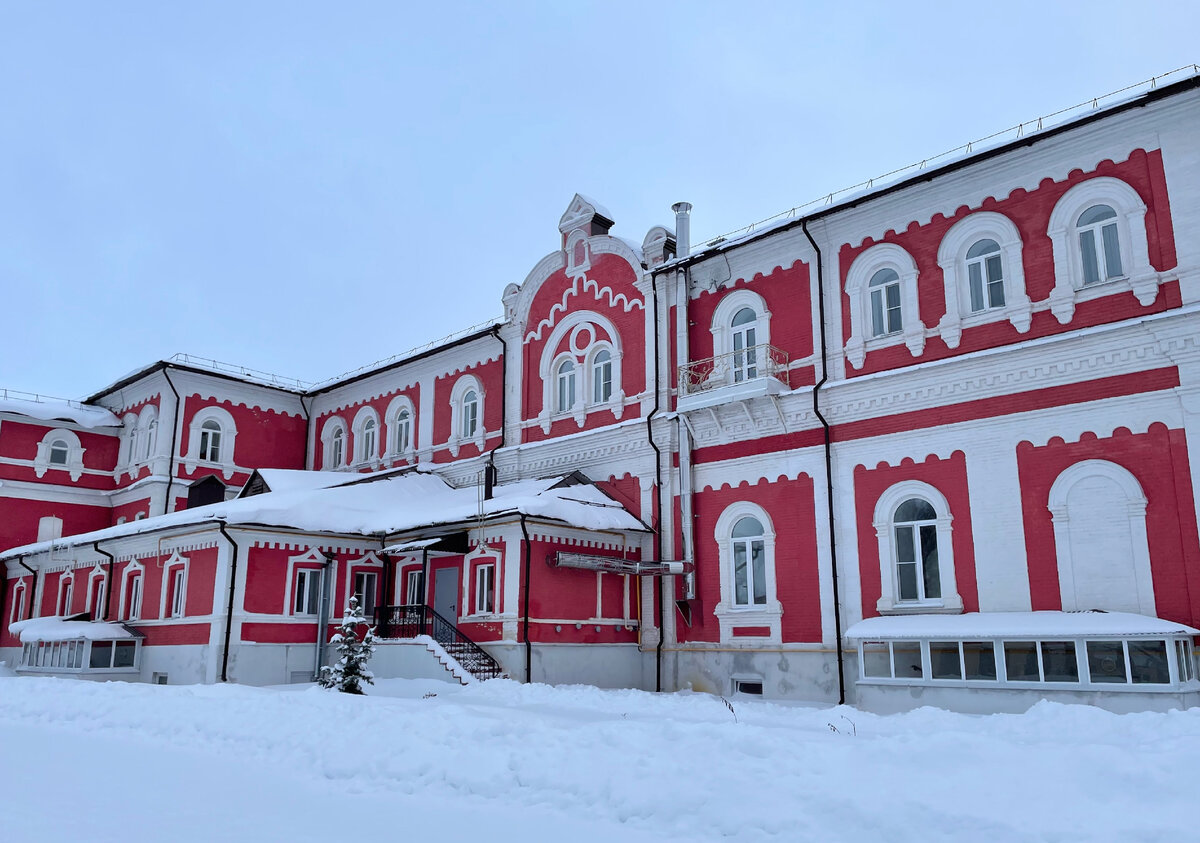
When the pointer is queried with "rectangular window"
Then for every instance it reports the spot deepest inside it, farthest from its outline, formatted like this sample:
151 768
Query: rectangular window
1184 655
944 662
1021 661
979 660
412 590
64 599
1058 661
748 686
877 660
1106 661
101 656
1148 663
177 594
906 655
1112 251
123 653
98 600
485 589
135 598
364 590
308 591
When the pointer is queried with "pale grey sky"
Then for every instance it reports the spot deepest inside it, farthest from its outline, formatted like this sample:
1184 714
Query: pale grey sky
305 188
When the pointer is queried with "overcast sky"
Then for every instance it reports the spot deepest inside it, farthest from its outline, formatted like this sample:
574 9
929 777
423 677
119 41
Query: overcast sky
307 188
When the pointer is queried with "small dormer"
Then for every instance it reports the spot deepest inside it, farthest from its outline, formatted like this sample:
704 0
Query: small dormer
659 245
586 216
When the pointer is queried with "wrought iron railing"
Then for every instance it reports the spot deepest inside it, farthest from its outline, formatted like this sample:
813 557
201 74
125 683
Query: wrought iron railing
412 620
757 361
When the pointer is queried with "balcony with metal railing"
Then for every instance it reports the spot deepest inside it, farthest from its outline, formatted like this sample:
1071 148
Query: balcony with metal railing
735 376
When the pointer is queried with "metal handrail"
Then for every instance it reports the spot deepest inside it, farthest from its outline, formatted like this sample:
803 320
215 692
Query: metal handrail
757 361
411 620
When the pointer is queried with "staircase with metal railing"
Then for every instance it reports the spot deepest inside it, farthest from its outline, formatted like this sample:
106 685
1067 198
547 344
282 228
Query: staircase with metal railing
398 622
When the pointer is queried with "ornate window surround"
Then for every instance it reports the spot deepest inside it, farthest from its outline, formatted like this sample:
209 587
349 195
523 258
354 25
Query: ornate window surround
464 385
858 279
228 439
1140 277
952 258
332 424
885 509
361 457
579 324
728 614
394 447
74 464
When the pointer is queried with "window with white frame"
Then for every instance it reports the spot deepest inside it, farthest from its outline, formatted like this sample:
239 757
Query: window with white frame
133 598
364 590
333 443
746 544
466 413
147 433
565 386
1098 229
741 332
212 439
881 285
913 529
602 376
485 589
307 593
366 435
178 587
983 274
17 611
98 588
66 586
413 593
127 451
400 415
60 450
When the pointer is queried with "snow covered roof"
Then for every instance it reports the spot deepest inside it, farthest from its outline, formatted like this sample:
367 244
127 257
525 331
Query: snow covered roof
383 504
58 409
64 629
984 625
297 480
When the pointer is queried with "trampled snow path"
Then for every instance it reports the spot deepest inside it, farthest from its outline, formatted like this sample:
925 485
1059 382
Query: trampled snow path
500 761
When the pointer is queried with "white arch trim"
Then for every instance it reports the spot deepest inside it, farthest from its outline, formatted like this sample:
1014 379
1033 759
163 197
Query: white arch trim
952 258
458 392
885 509
74 464
228 438
728 615
548 368
401 402
882 256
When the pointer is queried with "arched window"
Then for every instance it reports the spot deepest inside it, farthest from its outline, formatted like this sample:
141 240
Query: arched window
743 325
914 527
210 441
366 436
337 448
59 451
602 376
749 554
470 414
368 440
916 555
749 607
1099 246
151 437
403 435
985 275
565 386
886 312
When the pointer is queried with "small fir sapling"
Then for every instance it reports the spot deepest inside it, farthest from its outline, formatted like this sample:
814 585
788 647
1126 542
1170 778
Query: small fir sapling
350 670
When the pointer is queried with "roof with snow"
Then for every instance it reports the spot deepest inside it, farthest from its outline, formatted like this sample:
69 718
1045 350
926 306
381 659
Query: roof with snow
384 504
983 625
69 629
58 409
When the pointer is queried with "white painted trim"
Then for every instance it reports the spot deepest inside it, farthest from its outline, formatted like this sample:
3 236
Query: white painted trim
729 615
227 442
912 333
74 459
952 258
885 510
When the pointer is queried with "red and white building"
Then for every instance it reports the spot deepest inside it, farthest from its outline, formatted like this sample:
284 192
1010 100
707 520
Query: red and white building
892 450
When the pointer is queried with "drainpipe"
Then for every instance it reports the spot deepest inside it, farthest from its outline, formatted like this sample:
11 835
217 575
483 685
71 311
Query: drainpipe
307 428
174 436
33 587
683 353
108 587
658 545
828 439
229 611
528 645
489 470
323 616
388 578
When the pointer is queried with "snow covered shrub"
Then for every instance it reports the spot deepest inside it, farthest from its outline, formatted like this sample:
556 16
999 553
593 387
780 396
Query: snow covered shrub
350 671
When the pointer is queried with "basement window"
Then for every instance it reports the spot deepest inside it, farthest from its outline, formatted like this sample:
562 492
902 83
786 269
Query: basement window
750 687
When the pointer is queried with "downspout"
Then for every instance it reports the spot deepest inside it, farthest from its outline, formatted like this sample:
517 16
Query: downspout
388 578
525 631
489 470
828 439
323 615
229 611
108 587
683 355
658 544
307 429
174 436
33 587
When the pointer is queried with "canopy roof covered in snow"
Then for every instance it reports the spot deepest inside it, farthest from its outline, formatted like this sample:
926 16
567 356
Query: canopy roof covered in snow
66 629
385 504
52 409
983 625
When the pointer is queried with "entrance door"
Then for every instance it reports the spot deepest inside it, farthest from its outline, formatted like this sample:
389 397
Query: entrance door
445 603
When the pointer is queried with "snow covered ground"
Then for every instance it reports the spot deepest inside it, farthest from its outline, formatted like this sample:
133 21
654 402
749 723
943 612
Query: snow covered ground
501 761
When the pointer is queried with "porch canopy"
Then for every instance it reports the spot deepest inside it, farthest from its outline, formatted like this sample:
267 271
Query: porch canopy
1037 625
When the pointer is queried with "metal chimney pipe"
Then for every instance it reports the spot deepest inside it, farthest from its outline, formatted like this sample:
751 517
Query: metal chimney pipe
683 228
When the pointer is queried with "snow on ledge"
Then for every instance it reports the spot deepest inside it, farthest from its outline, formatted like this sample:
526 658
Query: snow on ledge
1015 625
55 410
60 629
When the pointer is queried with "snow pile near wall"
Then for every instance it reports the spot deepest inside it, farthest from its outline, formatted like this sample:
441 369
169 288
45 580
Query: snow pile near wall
507 762
53 410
